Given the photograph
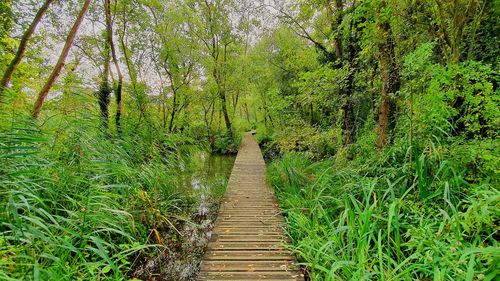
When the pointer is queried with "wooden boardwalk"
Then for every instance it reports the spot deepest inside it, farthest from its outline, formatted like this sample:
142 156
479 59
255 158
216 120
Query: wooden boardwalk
247 241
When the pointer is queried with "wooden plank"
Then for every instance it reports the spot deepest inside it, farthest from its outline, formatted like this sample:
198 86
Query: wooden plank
252 266
256 275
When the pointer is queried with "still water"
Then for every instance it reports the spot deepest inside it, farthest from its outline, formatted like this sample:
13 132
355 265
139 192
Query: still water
209 173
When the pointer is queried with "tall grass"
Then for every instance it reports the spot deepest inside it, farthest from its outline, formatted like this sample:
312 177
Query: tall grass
76 204
375 219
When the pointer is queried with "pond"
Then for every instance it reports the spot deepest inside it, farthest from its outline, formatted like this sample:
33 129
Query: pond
210 172
207 181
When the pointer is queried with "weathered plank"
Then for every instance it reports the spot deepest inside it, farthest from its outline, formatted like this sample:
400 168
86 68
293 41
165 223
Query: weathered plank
248 239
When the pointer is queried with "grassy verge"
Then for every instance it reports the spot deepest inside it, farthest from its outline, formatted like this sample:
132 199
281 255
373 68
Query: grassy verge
377 218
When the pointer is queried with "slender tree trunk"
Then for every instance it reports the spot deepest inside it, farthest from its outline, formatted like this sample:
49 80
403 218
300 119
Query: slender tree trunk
235 101
129 64
164 116
105 89
335 18
337 21
246 113
208 123
348 118
219 113
174 111
390 85
348 129
60 62
118 89
222 96
22 47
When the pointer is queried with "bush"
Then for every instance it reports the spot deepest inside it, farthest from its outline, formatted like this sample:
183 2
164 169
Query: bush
225 144
301 137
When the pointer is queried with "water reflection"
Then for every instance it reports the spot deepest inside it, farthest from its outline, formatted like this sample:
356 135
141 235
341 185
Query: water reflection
209 174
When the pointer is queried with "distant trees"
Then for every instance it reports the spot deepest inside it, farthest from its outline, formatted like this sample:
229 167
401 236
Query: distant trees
360 51
335 39
105 89
175 55
202 66
192 48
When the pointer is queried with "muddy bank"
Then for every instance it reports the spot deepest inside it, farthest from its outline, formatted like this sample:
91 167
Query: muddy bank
184 240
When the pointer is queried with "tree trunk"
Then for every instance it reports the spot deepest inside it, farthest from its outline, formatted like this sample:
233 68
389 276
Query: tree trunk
118 89
22 47
348 126
390 85
105 89
335 21
348 118
246 113
130 67
174 110
222 93
222 96
60 62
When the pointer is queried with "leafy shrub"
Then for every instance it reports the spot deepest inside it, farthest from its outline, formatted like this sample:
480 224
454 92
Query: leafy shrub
263 135
455 99
225 144
303 138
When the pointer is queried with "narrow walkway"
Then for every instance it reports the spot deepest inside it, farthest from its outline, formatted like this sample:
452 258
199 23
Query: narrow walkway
247 241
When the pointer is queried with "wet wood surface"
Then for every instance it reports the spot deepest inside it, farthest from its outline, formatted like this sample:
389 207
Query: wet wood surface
248 242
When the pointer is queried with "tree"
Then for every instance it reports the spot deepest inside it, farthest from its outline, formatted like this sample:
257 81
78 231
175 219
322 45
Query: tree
42 95
133 47
389 76
104 88
326 25
452 17
215 33
174 49
22 46
118 88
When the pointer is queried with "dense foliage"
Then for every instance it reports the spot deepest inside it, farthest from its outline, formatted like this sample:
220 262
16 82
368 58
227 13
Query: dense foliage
389 138
380 119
